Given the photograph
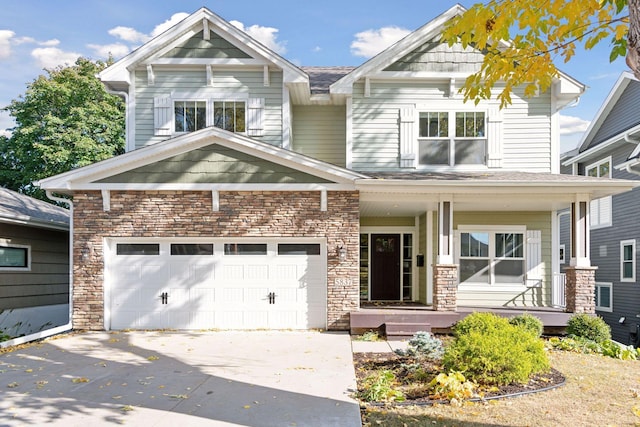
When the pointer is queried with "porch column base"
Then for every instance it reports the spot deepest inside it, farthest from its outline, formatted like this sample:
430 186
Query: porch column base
445 284
580 289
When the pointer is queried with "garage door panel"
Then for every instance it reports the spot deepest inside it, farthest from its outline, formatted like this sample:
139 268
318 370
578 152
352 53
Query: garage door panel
217 290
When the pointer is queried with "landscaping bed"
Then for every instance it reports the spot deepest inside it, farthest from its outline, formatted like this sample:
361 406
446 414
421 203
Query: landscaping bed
413 376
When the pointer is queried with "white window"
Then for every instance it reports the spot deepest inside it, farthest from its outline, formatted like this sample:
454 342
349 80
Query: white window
492 257
181 113
604 296
600 209
562 254
628 261
452 138
189 116
15 257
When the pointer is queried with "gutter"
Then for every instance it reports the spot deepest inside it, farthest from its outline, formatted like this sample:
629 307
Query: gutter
69 325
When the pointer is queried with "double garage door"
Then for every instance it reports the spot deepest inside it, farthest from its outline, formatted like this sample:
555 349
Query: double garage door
226 284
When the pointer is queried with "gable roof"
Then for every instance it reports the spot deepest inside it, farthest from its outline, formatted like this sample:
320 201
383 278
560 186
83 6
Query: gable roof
21 209
568 88
96 176
588 145
117 76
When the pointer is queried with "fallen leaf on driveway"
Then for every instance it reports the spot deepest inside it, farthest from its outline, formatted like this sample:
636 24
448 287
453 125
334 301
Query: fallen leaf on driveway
80 380
13 385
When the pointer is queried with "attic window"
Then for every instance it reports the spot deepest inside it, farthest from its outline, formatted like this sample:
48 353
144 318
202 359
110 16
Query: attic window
190 115
229 115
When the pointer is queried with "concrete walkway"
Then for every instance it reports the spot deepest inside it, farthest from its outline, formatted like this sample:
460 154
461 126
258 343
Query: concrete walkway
181 379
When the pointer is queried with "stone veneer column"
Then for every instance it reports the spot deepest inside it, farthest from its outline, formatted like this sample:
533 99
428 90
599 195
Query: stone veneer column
445 283
580 289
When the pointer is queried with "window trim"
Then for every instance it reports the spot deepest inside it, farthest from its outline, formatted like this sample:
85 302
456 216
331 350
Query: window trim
598 286
632 243
492 230
17 246
451 137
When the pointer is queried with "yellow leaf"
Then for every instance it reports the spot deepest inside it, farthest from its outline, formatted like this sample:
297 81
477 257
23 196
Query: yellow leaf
80 380
152 358
247 406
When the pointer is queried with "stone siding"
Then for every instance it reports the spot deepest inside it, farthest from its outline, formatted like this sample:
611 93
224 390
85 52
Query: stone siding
445 281
171 214
580 289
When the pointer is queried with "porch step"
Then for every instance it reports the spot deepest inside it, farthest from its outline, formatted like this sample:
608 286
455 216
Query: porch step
375 319
404 330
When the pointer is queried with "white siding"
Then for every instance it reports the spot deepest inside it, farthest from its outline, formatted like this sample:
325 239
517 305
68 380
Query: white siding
320 132
231 82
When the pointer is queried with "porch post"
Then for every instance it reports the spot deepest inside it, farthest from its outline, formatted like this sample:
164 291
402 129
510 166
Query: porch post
580 284
445 272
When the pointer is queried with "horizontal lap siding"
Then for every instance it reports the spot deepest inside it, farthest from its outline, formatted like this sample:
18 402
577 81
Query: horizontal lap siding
231 82
527 133
526 124
47 282
605 250
376 136
320 132
527 296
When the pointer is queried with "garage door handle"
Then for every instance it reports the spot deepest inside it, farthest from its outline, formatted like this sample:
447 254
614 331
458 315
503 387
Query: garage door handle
165 297
272 297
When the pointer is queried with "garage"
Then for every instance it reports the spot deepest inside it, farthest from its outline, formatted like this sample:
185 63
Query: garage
215 283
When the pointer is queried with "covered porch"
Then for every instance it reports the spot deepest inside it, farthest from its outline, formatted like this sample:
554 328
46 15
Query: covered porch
473 241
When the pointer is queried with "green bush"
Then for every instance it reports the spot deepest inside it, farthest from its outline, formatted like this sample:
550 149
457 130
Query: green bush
529 322
590 327
489 350
423 344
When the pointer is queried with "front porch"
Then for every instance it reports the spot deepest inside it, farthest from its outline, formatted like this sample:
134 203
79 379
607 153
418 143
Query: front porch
401 321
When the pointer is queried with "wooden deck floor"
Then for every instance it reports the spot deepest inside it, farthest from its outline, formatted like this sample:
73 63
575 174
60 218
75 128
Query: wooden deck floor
375 317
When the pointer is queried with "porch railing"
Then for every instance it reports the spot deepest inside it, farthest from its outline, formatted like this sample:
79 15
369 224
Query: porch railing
557 293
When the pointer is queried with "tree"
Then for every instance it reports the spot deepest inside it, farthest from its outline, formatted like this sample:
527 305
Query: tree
522 38
65 120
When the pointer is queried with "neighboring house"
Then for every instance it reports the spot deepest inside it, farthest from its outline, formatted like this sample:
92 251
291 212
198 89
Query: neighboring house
257 194
611 149
34 265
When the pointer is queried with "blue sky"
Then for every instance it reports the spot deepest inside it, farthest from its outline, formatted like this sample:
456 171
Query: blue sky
37 34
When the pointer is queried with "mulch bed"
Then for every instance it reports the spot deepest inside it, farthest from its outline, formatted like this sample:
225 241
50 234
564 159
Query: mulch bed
368 363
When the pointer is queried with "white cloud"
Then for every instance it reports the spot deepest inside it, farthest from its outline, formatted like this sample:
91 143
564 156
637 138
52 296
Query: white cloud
317 49
175 18
371 42
22 40
5 43
117 50
570 125
5 132
129 34
48 43
265 35
51 57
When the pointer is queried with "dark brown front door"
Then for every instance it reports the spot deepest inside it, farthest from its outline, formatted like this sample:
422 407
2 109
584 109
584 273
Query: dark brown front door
385 267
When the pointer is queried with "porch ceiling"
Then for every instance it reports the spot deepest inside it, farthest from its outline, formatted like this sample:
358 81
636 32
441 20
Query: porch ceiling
411 194
394 204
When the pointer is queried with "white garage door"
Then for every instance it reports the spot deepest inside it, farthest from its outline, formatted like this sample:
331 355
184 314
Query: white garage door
224 284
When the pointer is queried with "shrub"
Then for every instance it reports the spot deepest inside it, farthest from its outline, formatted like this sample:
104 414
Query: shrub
452 386
423 344
590 327
491 351
378 387
529 322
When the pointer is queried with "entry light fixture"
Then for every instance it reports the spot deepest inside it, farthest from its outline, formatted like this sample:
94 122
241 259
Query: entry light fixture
342 253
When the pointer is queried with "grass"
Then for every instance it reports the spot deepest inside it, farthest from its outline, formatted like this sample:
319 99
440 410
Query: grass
599 391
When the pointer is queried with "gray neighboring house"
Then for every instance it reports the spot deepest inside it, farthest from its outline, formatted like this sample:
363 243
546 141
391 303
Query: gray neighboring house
34 265
611 149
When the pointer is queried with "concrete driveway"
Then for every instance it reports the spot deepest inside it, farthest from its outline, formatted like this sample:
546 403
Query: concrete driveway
169 378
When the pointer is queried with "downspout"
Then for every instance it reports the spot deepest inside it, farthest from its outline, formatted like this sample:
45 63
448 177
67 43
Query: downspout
69 325
125 96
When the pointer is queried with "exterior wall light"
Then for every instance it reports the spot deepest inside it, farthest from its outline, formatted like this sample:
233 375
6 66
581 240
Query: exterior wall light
342 254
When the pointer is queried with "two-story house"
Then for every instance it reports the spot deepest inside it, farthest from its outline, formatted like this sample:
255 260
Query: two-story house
258 194
611 148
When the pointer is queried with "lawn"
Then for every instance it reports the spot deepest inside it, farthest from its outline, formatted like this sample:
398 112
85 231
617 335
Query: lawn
599 391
